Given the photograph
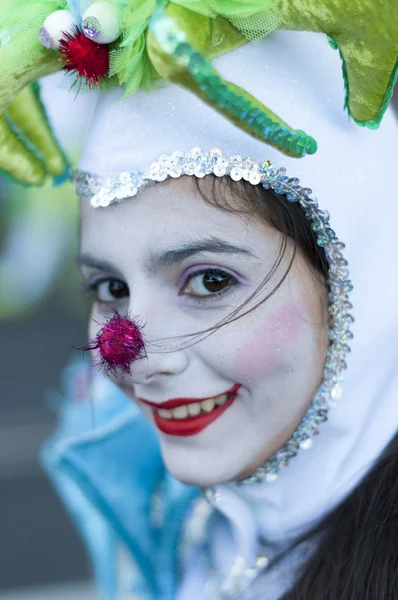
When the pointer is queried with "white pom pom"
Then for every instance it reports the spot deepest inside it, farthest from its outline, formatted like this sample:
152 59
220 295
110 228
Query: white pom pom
101 23
54 26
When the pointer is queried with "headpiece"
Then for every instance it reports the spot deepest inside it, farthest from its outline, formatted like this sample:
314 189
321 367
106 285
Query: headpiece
135 44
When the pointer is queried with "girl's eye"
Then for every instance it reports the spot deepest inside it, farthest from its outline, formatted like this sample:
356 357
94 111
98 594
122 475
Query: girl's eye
208 282
108 290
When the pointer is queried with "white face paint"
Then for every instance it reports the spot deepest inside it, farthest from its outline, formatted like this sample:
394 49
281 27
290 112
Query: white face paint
276 353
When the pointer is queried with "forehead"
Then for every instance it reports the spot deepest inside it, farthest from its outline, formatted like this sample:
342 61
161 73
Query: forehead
168 212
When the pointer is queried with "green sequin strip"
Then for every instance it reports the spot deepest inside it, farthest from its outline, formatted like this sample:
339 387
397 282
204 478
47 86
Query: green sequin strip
220 93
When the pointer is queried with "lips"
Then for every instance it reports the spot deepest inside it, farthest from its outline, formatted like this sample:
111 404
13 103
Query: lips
185 424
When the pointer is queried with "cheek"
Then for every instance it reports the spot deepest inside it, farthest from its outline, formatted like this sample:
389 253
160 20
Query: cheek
95 325
93 329
269 344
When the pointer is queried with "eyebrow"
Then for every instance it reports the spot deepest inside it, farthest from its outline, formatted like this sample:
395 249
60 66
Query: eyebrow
86 260
173 257
169 258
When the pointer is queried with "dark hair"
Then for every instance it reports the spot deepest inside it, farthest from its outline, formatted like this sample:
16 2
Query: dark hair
273 209
356 555
288 218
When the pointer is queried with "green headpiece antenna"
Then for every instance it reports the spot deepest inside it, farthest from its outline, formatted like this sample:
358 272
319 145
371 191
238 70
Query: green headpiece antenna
133 43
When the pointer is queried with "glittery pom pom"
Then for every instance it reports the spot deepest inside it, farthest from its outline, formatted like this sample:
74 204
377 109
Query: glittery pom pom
85 57
119 343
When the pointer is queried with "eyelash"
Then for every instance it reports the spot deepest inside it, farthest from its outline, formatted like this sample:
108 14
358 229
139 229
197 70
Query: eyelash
215 295
91 288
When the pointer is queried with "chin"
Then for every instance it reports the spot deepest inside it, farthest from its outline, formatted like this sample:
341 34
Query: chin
197 479
198 474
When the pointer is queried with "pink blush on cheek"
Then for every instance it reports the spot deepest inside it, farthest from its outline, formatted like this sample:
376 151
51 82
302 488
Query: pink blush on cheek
266 343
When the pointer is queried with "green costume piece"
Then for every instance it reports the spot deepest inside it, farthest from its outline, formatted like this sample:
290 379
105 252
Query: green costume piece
364 31
29 152
176 60
28 149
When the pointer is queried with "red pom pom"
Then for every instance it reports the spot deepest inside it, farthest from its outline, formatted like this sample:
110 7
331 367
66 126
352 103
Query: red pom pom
119 343
83 56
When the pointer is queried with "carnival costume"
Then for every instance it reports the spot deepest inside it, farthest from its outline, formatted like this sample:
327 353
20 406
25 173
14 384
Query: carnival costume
212 118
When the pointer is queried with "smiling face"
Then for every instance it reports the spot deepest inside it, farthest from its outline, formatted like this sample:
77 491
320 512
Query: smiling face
182 266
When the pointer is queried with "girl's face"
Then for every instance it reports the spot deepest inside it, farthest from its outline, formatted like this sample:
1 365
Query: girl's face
181 266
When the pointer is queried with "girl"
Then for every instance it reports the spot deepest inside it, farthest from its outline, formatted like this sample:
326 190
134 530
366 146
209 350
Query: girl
222 310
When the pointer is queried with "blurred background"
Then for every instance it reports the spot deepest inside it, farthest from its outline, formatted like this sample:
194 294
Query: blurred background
42 316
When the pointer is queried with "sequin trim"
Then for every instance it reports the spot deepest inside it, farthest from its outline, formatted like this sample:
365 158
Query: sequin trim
199 163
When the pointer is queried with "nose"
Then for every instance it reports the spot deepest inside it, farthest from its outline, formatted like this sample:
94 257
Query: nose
124 347
158 364
165 354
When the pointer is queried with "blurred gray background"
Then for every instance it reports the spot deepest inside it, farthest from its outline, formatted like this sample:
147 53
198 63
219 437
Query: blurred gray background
39 549
42 316
38 544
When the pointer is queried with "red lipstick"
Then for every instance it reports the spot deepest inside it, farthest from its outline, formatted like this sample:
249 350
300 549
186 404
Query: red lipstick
190 425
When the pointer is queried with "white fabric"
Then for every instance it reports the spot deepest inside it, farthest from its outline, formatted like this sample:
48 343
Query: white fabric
232 535
299 77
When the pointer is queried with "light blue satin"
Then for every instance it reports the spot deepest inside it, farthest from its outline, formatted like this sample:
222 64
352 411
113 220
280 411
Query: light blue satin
107 473
75 8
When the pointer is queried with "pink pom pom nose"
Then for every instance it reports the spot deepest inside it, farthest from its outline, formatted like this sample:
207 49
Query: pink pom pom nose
119 343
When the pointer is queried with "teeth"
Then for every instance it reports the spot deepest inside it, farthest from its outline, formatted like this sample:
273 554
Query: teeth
181 412
165 414
208 405
221 400
194 409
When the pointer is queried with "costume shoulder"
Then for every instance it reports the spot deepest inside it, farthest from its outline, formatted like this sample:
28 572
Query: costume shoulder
105 463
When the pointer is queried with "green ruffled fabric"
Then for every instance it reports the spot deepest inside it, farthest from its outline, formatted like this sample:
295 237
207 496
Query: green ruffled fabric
20 21
129 59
